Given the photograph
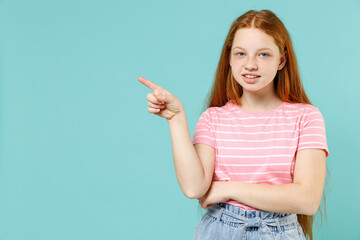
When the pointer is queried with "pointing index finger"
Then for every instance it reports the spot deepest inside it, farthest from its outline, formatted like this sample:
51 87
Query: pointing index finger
148 83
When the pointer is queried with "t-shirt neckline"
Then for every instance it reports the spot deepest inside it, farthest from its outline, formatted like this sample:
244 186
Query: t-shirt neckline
257 113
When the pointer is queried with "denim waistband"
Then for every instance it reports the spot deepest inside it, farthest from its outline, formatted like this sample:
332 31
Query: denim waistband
244 219
249 214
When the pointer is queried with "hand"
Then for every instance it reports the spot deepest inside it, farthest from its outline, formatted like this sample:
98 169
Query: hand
218 192
162 102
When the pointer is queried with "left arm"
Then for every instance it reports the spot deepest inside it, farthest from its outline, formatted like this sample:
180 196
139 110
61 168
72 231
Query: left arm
303 196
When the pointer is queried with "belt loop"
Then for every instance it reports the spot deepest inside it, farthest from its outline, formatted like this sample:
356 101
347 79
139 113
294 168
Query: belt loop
219 214
278 225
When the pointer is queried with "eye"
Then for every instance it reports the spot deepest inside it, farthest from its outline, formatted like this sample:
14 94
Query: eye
240 53
266 54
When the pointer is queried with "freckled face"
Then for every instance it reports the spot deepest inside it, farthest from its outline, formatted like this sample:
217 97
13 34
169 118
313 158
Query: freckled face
254 51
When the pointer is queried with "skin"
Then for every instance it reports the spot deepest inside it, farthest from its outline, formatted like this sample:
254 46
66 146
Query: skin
162 102
258 96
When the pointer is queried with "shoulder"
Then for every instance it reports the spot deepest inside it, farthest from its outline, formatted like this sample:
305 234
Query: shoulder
216 111
223 110
302 108
306 114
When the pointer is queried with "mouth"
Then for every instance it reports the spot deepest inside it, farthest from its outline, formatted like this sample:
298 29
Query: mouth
251 76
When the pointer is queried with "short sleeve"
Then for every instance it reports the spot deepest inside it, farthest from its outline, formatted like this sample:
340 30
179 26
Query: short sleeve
312 132
204 130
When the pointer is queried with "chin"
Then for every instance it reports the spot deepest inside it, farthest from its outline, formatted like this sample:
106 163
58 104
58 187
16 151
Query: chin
253 88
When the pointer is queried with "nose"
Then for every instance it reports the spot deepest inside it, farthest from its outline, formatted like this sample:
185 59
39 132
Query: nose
250 64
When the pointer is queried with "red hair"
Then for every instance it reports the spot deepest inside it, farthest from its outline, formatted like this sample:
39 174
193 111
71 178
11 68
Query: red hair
287 82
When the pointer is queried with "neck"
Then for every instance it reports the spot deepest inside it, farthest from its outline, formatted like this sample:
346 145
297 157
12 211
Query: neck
259 102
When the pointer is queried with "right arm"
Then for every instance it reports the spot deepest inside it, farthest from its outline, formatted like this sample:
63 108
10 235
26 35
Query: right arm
194 164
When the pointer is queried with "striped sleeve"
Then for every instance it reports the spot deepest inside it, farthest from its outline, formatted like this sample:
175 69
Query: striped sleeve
204 130
312 132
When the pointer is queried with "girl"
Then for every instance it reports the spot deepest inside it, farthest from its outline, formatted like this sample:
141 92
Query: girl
257 161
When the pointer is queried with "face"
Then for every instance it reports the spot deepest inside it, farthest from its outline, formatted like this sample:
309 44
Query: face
255 52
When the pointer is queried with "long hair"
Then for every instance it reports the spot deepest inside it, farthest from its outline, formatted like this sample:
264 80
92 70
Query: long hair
287 82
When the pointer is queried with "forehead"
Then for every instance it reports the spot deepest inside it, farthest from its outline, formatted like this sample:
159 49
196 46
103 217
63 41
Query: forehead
253 39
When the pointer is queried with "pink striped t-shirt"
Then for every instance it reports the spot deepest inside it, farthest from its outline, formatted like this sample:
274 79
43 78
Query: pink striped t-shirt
259 147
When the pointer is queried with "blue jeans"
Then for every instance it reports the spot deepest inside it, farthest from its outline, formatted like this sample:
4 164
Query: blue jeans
224 221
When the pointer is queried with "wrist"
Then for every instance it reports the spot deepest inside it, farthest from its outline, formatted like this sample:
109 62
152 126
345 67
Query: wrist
231 189
178 117
227 190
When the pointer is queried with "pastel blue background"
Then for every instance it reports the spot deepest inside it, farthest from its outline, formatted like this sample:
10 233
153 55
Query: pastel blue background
81 157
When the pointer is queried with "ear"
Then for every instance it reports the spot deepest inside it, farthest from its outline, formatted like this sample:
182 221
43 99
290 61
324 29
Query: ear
282 61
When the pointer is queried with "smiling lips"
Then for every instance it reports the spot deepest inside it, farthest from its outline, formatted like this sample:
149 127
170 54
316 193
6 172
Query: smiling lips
251 74
250 78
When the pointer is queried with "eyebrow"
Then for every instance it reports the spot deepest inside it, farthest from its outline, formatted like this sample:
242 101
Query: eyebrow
258 49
